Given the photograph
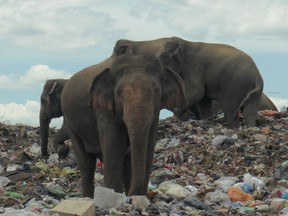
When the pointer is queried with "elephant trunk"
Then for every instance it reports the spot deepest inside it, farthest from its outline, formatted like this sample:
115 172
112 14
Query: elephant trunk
138 122
44 131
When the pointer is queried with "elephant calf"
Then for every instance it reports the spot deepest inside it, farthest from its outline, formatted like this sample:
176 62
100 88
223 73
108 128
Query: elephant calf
51 108
111 111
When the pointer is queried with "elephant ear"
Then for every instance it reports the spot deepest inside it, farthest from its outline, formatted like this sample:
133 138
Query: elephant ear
171 55
173 91
101 91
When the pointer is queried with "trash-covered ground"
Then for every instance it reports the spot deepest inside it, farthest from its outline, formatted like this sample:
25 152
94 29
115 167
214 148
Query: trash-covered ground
200 168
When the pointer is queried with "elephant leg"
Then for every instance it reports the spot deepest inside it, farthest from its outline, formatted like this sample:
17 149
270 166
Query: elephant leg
229 109
114 144
194 91
44 132
113 167
58 142
86 163
195 111
204 108
185 115
232 120
250 112
127 172
150 152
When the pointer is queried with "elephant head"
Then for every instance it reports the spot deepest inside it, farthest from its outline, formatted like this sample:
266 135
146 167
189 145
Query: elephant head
124 47
50 108
134 90
171 54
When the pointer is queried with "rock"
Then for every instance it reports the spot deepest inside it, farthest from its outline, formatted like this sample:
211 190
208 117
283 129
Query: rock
71 207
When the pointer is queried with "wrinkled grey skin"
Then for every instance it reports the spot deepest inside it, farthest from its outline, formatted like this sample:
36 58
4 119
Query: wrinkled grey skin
265 104
210 72
51 108
111 111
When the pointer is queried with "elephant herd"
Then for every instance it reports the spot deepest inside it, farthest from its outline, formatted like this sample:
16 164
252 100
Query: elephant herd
111 109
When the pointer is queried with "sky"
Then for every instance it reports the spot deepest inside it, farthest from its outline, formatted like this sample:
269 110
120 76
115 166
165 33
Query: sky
41 40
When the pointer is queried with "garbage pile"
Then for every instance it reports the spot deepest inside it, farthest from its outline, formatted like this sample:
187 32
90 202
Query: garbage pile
200 168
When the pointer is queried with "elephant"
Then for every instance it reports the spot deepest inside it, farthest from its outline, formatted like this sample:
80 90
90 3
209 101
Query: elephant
265 104
111 111
210 72
51 108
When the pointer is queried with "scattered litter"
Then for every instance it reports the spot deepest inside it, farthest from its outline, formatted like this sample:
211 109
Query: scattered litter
199 168
222 142
108 198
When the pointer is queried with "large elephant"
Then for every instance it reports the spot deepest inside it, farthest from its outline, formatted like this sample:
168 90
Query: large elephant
51 108
111 111
265 104
210 72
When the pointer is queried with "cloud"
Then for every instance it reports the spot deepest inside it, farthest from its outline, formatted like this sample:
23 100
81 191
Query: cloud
219 20
62 26
40 73
35 76
279 102
70 26
20 113
27 114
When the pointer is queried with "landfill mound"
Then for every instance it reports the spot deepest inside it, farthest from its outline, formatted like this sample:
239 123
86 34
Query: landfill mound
199 168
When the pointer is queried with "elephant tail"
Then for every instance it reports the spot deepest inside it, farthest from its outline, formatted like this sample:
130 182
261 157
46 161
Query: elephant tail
256 92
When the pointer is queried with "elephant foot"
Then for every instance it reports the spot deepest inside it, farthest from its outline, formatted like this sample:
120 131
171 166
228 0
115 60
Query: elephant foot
45 157
44 153
183 115
63 151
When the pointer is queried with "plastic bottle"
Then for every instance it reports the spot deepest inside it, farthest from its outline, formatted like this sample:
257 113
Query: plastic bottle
256 183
